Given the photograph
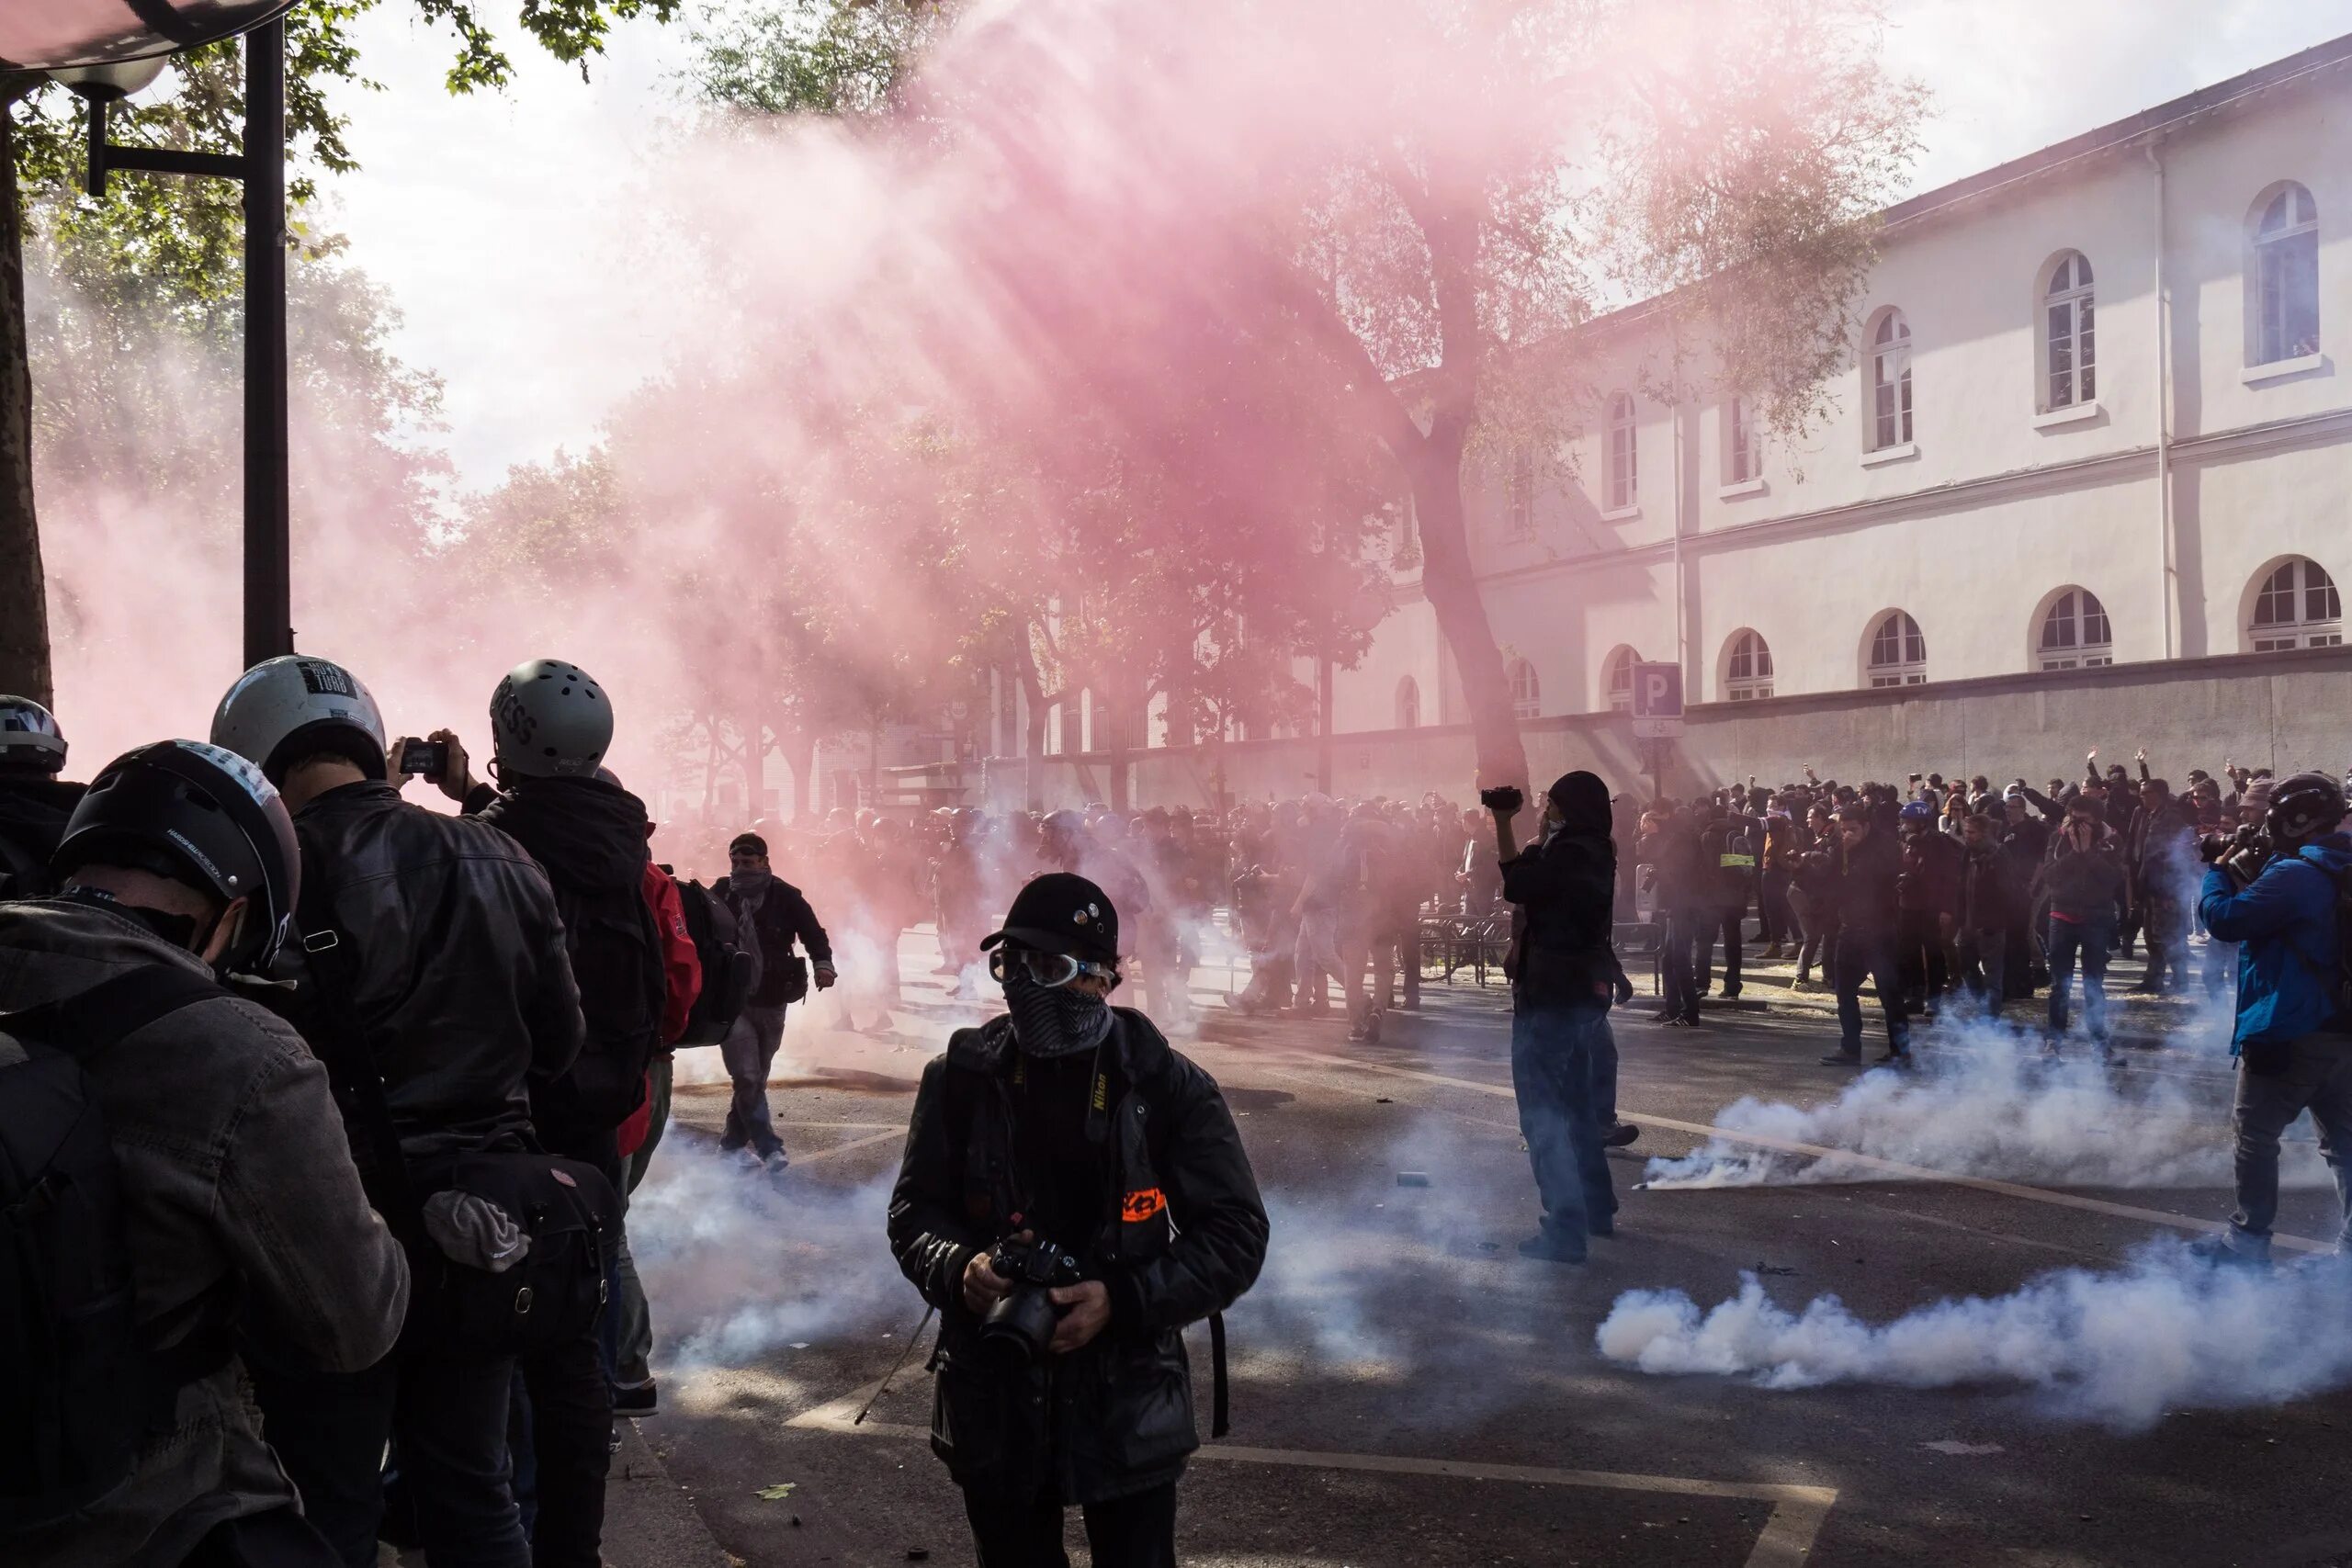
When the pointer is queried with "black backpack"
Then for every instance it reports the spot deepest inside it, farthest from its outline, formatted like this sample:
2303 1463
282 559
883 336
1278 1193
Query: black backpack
728 970
79 1394
616 951
21 875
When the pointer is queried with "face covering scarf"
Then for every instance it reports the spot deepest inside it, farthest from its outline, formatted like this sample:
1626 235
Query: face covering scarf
1055 1020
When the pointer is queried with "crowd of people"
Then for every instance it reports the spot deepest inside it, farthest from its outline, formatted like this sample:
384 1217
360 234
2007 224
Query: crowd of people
320 1109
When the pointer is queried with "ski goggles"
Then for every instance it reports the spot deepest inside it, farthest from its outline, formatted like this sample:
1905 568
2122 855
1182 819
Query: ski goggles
1048 969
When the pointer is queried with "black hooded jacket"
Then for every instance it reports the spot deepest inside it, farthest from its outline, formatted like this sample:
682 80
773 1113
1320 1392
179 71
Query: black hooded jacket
33 814
1567 884
590 837
1180 1234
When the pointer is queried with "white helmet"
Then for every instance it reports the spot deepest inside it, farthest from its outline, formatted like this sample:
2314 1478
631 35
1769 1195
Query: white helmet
548 719
29 739
293 706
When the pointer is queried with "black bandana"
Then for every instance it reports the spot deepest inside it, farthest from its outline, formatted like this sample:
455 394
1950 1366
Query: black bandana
1055 1020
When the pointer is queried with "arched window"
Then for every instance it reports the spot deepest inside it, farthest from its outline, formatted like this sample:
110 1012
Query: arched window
2074 633
1622 479
1526 693
2297 606
1898 654
1748 669
1620 682
1890 381
2284 280
1409 703
2068 349
1057 732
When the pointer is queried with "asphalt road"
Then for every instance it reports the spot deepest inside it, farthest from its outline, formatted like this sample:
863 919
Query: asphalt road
1407 1388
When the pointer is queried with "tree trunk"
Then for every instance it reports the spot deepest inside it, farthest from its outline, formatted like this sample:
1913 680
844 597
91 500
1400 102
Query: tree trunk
24 593
1434 467
1032 727
800 760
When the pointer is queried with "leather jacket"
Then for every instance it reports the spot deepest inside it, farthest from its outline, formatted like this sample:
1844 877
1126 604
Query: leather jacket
1180 1234
460 985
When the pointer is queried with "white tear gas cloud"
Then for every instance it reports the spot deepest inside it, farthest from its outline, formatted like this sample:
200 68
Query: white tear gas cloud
1984 1100
737 1267
2170 1331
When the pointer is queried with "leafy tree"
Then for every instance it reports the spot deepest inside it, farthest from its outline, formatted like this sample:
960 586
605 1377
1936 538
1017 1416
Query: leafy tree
1504 171
182 238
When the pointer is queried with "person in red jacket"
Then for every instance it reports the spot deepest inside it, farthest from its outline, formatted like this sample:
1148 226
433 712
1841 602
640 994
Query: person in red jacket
633 1391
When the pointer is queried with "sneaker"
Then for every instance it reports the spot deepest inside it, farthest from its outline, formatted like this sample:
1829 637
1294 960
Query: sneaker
1892 1058
1620 1135
776 1162
1548 1248
2231 1248
643 1399
1839 1059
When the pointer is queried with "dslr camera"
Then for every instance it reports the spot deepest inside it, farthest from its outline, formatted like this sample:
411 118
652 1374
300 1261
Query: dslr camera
1021 1325
1507 799
2242 853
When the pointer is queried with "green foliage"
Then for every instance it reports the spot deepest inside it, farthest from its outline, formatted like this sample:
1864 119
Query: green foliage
828 57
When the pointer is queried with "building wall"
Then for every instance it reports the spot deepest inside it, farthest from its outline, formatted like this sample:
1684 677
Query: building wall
2285 711
1998 509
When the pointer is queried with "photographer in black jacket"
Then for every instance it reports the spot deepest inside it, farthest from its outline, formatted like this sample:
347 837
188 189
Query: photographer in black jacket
439 970
1067 1145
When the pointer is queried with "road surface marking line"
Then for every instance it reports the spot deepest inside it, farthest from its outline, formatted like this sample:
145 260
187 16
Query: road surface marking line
800 1161
1790 1529
1872 1162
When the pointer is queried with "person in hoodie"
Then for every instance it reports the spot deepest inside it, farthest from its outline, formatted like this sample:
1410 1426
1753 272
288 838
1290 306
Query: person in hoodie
1068 1123
459 996
551 726
34 801
1567 976
2293 1037
771 915
237 1187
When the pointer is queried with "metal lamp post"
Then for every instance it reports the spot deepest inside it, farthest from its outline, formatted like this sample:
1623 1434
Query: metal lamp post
105 50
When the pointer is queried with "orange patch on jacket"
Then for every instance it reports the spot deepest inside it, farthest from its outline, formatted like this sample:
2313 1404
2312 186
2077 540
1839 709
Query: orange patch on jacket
1138 1207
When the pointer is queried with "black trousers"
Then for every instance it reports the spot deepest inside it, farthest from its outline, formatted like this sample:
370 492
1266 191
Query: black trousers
1138 1531
1729 924
280 1538
1919 948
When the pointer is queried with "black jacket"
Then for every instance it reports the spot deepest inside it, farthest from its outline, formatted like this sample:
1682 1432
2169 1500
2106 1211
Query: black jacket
33 814
1567 888
589 837
461 990
783 916
2082 885
1181 1234
1867 902
1990 892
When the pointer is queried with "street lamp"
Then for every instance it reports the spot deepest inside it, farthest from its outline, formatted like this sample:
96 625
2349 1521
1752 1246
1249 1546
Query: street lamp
107 49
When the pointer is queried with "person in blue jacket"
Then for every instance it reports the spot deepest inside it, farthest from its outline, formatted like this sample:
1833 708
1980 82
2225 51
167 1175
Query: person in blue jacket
2294 1031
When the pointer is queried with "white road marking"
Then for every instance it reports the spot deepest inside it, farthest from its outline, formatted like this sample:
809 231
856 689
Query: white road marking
871 1138
1873 1162
1789 1530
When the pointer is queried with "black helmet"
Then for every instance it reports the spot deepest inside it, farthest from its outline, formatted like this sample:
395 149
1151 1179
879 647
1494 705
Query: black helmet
2304 805
30 739
200 815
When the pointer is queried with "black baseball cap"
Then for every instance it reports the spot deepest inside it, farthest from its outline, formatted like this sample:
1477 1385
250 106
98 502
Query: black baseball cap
1061 912
748 844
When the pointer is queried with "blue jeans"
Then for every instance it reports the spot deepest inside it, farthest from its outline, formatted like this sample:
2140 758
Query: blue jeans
1554 1055
1867 955
2091 941
2316 1076
748 1052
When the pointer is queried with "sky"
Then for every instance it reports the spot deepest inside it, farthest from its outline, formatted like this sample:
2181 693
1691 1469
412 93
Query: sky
501 222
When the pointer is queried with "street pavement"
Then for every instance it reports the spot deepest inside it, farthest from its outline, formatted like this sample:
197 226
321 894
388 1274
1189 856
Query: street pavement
1406 1390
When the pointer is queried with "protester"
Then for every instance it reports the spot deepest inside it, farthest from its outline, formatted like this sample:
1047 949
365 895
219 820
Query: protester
1567 976
2081 886
436 985
1989 896
771 914
1928 906
232 1181
1868 909
1068 1129
2293 1037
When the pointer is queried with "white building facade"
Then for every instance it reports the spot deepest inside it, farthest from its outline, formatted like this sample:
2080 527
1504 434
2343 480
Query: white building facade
2098 413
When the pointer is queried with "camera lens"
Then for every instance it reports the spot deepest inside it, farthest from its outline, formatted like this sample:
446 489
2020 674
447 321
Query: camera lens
1020 1326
